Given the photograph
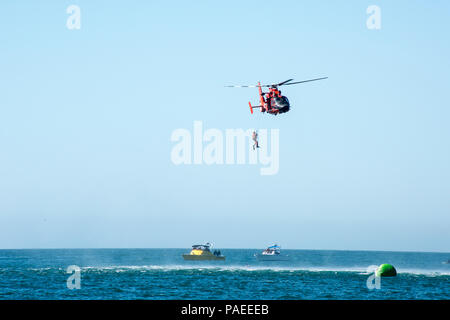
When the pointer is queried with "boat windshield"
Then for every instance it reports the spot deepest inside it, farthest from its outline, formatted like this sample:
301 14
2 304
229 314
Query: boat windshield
275 249
204 247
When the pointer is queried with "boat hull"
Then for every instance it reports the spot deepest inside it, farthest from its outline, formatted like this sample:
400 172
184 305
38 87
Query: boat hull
192 257
266 257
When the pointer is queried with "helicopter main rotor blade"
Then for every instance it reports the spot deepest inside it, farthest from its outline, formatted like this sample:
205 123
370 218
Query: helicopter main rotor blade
282 83
256 86
288 84
274 85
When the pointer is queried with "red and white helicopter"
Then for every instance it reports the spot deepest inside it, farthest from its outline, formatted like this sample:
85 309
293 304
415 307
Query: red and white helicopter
273 102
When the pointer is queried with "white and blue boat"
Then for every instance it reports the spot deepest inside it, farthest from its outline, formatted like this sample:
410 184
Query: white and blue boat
272 253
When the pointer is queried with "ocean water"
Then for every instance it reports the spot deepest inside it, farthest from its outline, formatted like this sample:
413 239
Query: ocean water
163 274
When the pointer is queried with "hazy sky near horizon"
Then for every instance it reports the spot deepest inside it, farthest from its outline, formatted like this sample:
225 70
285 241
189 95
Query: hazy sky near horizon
86 118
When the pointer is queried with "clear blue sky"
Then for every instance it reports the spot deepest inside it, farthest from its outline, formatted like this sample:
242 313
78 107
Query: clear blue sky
86 117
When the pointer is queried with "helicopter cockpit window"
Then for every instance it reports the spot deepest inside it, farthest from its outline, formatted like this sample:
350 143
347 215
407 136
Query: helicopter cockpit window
282 101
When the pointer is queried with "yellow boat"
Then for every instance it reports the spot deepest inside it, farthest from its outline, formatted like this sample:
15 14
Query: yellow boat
201 252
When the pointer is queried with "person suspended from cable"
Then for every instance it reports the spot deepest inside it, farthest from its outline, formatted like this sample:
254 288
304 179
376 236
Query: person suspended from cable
255 140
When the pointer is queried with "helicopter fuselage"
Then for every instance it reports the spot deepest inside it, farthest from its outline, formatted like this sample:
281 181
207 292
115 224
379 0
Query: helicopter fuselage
274 102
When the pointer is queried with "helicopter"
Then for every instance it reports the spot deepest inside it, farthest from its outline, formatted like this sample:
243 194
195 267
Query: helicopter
273 102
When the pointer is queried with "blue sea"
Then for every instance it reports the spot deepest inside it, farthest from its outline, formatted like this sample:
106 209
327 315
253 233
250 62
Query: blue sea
163 274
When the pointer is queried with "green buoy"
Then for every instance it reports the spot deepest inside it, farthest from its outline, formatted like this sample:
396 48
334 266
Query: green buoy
386 270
